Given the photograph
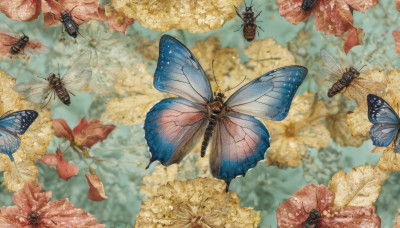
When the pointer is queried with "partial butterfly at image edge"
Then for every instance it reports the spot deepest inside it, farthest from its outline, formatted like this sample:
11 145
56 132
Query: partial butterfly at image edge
12 125
174 125
385 128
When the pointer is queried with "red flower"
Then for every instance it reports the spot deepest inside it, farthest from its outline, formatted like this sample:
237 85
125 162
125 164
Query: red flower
295 212
28 10
34 209
96 188
331 17
64 169
85 134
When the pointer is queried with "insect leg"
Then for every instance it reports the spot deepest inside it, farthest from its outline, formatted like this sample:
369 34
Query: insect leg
71 93
258 15
237 12
72 9
239 28
79 18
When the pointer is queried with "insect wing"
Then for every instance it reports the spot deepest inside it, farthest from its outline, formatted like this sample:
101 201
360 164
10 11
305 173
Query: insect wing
18 122
385 120
35 47
36 93
239 142
331 67
270 95
172 128
179 73
6 41
79 74
370 86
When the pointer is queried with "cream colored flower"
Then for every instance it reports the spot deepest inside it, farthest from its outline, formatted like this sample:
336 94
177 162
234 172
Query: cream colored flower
33 143
201 202
302 128
197 16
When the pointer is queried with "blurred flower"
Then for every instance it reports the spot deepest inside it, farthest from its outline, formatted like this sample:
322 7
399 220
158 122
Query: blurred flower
34 209
331 17
389 161
33 143
198 16
360 187
397 222
200 202
302 128
85 134
21 10
118 21
96 188
312 199
354 38
64 169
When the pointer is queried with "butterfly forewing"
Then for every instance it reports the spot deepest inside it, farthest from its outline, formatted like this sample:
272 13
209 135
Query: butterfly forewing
178 72
79 74
270 95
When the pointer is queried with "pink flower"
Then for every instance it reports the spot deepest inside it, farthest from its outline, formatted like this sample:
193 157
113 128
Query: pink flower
85 134
396 37
34 209
64 169
118 21
309 199
331 17
96 188
354 38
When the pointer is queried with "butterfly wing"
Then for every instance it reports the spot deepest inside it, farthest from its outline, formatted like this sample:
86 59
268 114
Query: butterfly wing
239 142
79 74
179 73
270 95
172 128
11 125
385 120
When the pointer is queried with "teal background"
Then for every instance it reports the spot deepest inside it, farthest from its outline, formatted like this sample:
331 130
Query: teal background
263 187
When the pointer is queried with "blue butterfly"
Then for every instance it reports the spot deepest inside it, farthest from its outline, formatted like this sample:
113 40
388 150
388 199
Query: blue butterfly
386 123
12 125
174 125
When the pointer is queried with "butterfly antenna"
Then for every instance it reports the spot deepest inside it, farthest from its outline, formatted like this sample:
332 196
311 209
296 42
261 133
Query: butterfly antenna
212 66
237 84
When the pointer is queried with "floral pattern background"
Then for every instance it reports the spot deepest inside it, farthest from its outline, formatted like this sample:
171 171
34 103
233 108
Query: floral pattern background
309 147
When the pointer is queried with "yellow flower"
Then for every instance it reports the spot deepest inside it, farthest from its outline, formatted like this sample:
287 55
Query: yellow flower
33 143
201 202
197 16
302 128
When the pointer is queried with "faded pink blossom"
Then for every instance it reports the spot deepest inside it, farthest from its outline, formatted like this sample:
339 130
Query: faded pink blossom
96 188
118 21
21 10
396 37
354 38
64 169
397 222
87 133
331 17
397 4
49 159
296 211
34 209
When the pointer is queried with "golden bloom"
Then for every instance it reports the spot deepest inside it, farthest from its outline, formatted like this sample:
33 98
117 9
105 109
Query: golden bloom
197 16
201 202
33 143
302 128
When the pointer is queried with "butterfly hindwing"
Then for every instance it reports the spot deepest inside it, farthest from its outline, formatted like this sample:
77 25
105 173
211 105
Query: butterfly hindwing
178 72
172 128
239 142
11 125
270 95
385 120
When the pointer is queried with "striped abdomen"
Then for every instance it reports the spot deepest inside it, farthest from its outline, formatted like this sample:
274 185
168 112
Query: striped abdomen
249 31
62 93
209 132
337 87
16 48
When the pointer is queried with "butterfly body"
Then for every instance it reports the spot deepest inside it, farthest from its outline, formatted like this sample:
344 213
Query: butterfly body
347 78
20 45
308 4
236 139
12 125
57 84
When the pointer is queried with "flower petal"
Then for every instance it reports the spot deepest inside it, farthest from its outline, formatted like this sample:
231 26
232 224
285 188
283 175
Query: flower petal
294 212
64 169
351 217
361 5
87 133
50 160
21 10
19 173
396 37
62 129
397 4
96 188
332 17
397 222
389 161
360 187
354 38
118 21
290 9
